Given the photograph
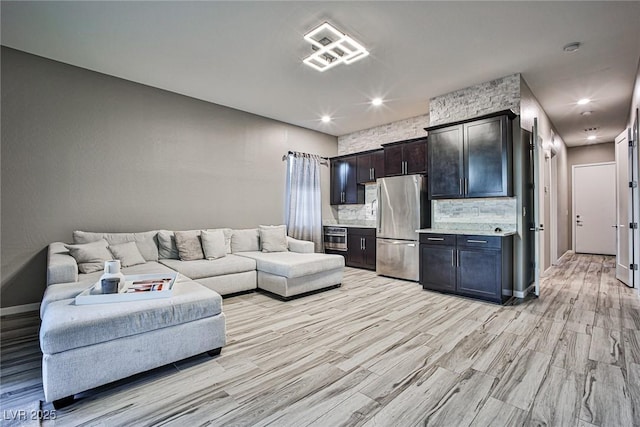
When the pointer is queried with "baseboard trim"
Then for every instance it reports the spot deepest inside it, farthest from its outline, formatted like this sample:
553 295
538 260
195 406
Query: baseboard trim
17 309
522 294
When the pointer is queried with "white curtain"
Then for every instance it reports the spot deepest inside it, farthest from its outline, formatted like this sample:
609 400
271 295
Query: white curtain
304 207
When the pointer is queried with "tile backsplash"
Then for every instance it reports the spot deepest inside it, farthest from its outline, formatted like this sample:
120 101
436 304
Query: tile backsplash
475 214
361 214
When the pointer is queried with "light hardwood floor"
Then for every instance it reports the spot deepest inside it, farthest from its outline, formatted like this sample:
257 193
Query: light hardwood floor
383 352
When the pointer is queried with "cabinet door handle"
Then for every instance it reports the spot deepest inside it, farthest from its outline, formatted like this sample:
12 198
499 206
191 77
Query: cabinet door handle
476 241
460 186
466 186
364 244
453 258
457 258
439 239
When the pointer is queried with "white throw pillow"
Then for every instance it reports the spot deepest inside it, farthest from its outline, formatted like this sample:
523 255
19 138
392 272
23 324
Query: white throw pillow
247 240
128 254
213 243
90 256
273 238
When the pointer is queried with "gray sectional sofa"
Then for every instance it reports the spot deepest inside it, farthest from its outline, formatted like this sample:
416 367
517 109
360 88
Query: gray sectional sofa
85 346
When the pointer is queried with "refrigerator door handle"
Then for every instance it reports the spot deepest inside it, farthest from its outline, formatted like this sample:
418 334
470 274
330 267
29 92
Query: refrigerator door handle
400 242
379 215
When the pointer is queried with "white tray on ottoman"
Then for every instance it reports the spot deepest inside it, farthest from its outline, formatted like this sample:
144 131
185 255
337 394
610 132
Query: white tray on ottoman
132 289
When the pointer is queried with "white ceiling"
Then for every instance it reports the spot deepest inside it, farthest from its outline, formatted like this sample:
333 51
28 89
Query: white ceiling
248 55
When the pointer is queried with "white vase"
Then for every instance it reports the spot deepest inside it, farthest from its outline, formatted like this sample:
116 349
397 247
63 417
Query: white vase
112 270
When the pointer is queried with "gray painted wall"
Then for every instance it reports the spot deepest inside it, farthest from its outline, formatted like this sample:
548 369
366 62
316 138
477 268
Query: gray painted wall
596 153
83 150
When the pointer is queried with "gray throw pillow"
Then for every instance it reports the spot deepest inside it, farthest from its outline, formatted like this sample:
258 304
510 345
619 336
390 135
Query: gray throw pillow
247 240
145 240
167 245
213 243
128 254
90 256
273 238
188 244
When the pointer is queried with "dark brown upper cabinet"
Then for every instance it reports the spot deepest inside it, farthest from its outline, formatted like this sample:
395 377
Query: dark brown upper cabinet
344 186
370 166
405 157
471 158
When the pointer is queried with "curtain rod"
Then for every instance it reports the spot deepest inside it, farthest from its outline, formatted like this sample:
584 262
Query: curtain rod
294 153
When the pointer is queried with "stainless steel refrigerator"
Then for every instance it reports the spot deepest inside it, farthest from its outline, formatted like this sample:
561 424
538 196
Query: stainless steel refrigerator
403 208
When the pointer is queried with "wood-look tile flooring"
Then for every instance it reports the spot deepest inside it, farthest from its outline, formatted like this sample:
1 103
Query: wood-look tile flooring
383 352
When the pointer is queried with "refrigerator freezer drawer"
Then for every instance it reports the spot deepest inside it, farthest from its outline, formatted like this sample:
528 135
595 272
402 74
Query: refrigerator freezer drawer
398 258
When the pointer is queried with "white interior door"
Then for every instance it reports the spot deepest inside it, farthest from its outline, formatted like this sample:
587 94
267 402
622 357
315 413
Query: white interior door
622 208
594 208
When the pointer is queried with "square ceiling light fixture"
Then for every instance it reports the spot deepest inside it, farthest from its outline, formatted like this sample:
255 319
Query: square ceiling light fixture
332 47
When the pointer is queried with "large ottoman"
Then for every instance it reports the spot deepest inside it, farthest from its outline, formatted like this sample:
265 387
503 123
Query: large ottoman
85 346
289 274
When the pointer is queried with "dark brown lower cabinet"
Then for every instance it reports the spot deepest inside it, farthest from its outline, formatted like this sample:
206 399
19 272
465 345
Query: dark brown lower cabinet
361 248
474 266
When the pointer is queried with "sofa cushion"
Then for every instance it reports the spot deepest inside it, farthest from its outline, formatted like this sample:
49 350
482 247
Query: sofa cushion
293 264
146 241
245 240
199 269
128 254
273 238
67 326
189 245
214 243
90 256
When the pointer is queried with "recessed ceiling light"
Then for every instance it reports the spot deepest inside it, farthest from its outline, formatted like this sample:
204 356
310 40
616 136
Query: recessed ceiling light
571 47
586 113
584 101
376 101
591 137
326 119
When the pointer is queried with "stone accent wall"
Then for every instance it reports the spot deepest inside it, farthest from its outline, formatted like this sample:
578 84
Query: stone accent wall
372 138
474 101
475 214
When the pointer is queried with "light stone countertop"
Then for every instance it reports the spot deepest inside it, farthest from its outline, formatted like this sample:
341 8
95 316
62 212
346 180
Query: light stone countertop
349 225
466 232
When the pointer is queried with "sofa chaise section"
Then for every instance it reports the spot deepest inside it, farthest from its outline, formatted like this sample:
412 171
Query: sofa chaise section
289 274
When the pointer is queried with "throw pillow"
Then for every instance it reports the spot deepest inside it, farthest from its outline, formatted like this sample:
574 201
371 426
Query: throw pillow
167 245
145 240
90 256
245 240
128 254
188 244
213 243
227 236
273 238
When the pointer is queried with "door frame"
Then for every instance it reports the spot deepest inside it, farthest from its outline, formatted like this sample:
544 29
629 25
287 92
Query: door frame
573 196
553 217
621 228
